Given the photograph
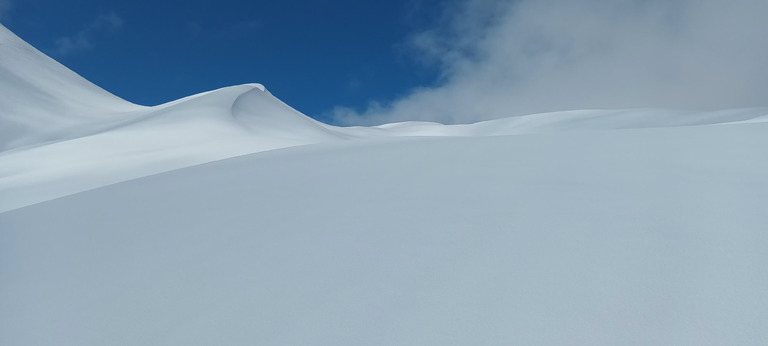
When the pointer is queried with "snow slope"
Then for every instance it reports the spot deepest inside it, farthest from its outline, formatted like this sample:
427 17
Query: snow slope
199 129
124 225
41 100
632 237
62 135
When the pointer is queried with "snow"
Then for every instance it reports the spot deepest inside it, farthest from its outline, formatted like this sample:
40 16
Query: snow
246 119
43 100
653 236
228 217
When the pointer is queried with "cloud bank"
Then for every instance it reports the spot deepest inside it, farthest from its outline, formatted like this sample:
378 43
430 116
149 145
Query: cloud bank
505 58
83 39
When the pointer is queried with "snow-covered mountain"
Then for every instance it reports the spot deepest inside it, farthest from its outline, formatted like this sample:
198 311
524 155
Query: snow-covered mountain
184 224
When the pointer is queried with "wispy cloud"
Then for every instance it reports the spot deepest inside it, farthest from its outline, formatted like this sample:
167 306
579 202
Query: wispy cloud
503 58
104 23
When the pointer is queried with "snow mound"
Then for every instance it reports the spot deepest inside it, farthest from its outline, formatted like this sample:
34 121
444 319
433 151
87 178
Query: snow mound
567 234
60 134
580 120
42 100
209 126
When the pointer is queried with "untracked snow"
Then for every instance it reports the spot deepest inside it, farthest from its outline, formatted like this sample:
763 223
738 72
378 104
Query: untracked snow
41 100
634 237
230 218
64 135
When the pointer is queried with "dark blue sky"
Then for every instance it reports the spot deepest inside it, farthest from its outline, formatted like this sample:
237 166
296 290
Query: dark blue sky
313 55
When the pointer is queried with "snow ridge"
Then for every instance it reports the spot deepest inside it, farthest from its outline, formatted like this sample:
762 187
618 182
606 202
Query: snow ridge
60 134
592 227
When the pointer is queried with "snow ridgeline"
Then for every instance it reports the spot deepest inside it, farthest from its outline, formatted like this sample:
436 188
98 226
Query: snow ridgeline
573 236
60 134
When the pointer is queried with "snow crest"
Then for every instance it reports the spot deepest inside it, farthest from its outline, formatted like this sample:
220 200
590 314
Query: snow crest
60 134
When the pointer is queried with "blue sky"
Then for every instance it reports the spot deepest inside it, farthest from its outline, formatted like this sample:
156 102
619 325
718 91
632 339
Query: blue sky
314 55
451 61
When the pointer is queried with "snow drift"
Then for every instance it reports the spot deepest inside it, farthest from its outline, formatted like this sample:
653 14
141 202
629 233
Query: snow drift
633 237
124 224
43 100
64 135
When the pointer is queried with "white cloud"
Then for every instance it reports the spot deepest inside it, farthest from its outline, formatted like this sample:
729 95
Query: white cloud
104 23
501 58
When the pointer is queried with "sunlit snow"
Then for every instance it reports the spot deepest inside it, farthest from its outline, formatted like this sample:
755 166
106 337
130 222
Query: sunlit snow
230 218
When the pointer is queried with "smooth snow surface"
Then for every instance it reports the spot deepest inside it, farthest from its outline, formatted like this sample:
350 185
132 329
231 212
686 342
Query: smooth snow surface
247 119
230 218
41 100
636 237
64 135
